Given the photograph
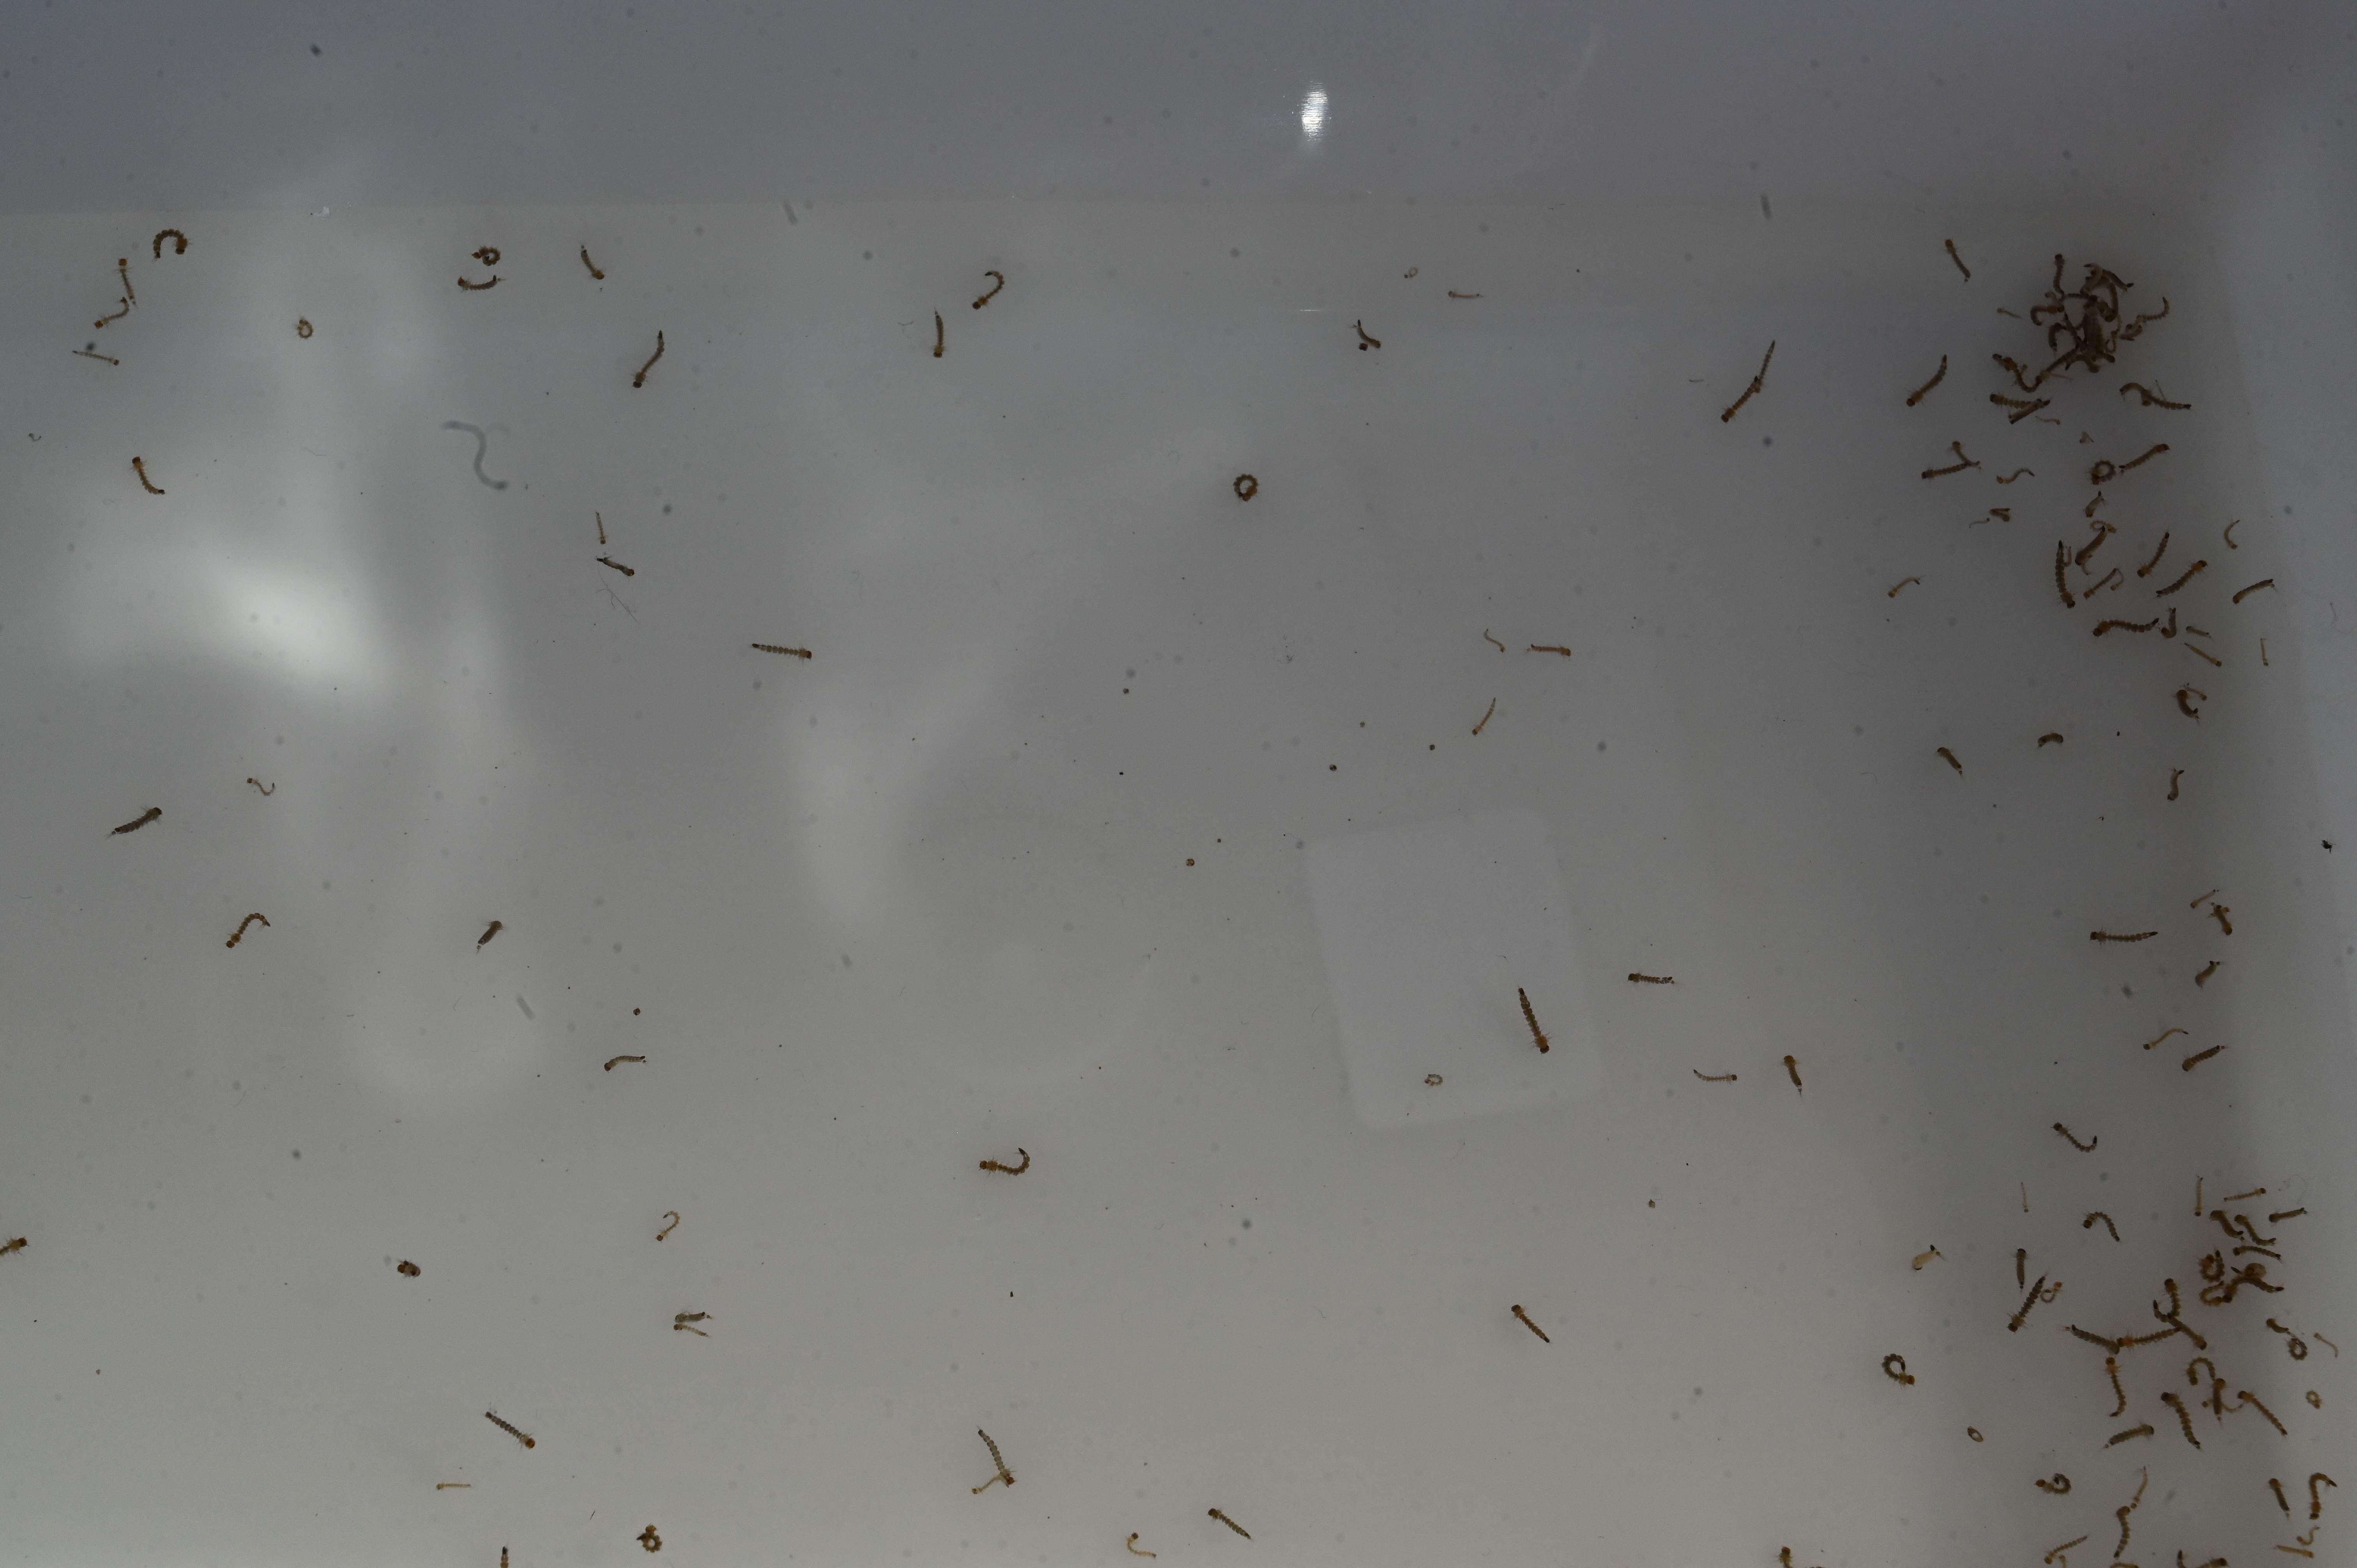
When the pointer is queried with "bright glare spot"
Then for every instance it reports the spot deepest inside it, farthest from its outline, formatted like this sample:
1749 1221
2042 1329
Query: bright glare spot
1313 113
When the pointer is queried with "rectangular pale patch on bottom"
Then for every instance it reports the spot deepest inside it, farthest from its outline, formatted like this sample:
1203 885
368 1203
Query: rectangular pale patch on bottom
1427 933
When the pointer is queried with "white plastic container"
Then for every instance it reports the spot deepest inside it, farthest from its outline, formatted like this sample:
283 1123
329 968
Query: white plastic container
1192 848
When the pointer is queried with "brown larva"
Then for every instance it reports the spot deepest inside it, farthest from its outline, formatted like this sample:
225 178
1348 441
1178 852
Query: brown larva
2089 1223
612 1061
2208 970
1538 1036
939 342
239 934
1894 1367
2052 737
2016 473
2146 570
478 287
1232 1524
522 1438
2198 1057
2150 397
1758 381
2062 560
493 930
1792 1067
2103 626
640 379
1135 1549
2086 1148
2184 577
591 266
616 566
1925 1256
1722 1078
2174 775
2130 937
1898 584
1485 716
1635 978
179 242
987 298
672 1215
1005 1474
1532 1327
2027 1301
1959 261
1550 648
2240 593
2112 1370
408 1268
1952 759
136 824
1010 1170
1247 486
1937 376
789 652
139 465
1366 342
1961 463
650 1540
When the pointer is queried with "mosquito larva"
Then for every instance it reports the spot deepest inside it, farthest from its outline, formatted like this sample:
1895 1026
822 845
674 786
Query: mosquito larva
1550 648
1974 1433
2059 1486
1232 1524
1010 1170
140 467
2086 552
118 316
670 1214
1898 584
2184 1417
1432 1080
1491 640
1485 716
650 1540
493 930
2110 579
2027 1301
2089 1223
2086 1148
2229 534
1792 1067
239 934
2062 560
408 1269
1366 342
2122 1513
2286 1214
1961 464
524 1437
2240 594
2197 1180
2021 1266
2022 409
2263 651
2186 577
616 566
2246 1397
1894 1367
478 287
2111 1345
789 652
2016 473
612 1061
2151 396
2149 453
1758 381
92 354
2211 968
2281 1501
1925 1256
141 821
1247 486
2219 913
1937 377
685 1323
2052 737
2103 626
454 1485
1134 1550
1532 1327
1005 1474
2142 1429
2183 707
2314 1503
122 271
1952 759
2315 1400
1636 978
1538 1036
640 379
591 266
987 298
1454 294
1959 261
2112 1370
302 326
1720 1078
14 1244
2174 775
